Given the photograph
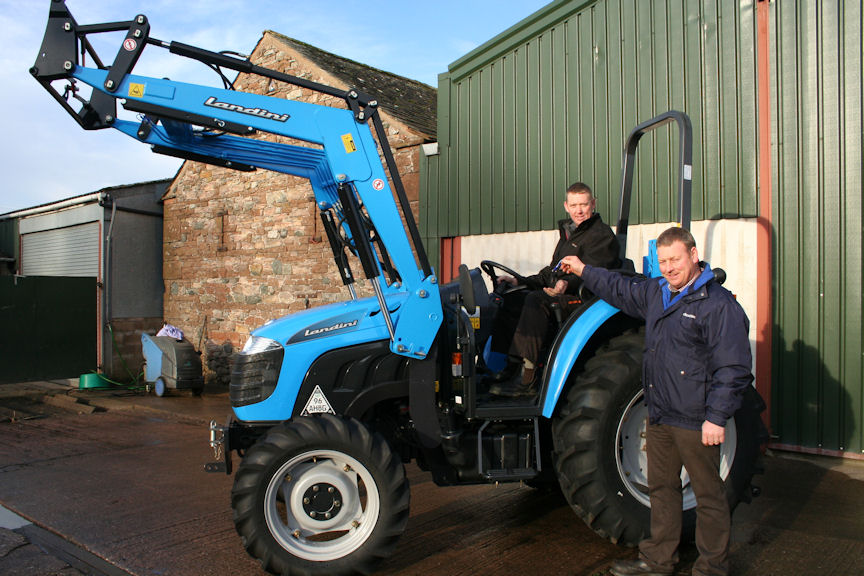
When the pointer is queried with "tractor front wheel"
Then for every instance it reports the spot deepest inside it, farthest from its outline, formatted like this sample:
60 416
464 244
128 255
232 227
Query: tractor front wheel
320 495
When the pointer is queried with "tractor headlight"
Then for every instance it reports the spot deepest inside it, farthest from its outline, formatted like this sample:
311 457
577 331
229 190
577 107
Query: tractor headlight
256 371
257 344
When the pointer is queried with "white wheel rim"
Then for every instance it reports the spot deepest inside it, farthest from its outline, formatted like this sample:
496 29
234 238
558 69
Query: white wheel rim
316 535
631 457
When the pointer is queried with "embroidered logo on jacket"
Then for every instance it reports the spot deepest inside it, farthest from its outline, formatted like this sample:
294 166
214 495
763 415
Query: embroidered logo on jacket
686 315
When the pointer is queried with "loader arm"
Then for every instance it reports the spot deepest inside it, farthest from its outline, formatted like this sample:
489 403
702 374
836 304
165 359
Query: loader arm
223 127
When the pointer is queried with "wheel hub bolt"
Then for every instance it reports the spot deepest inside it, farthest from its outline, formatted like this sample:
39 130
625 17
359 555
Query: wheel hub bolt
322 501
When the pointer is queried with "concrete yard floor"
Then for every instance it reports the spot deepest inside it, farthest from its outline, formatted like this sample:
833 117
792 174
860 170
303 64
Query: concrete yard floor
119 475
808 520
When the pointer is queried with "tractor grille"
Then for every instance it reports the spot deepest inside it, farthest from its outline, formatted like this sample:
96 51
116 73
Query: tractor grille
254 376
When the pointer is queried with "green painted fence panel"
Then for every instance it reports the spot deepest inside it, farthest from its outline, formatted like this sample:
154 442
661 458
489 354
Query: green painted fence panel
49 327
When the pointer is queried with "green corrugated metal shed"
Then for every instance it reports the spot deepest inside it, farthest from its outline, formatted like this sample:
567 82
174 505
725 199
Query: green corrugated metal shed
817 162
551 101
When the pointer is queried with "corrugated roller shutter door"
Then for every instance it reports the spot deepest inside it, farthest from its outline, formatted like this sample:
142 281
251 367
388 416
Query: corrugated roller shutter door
72 251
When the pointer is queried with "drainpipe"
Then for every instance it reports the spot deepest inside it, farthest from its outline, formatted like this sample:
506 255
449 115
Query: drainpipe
765 227
107 283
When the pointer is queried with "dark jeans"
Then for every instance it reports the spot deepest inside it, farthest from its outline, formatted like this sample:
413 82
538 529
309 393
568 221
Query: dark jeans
526 321
669 448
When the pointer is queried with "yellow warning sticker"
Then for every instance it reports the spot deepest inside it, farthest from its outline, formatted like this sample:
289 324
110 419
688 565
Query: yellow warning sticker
348 142
475 323
136 90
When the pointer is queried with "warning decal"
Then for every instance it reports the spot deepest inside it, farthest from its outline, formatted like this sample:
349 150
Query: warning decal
348 142
317 404
136 90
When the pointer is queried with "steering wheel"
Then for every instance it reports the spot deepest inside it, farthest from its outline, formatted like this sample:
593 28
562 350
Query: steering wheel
489 267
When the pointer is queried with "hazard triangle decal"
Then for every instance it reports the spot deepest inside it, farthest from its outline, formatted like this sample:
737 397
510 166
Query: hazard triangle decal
317 404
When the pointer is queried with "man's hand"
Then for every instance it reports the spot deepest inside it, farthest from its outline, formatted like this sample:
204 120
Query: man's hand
506 278
560 287
712 434
572 265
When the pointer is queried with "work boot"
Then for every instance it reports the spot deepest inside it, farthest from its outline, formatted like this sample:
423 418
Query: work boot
637 568
513 369
520 385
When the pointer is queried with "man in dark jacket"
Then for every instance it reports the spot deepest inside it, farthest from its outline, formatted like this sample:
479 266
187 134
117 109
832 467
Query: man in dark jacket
523 322
696 366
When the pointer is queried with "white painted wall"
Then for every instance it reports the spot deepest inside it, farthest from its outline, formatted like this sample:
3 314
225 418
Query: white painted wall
727 244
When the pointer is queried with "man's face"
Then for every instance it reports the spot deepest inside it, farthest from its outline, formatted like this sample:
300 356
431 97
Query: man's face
580 207
677 264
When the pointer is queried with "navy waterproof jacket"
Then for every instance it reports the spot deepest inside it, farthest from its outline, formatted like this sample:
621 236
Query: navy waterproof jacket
697 360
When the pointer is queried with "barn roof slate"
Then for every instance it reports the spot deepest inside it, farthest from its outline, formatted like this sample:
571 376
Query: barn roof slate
413 103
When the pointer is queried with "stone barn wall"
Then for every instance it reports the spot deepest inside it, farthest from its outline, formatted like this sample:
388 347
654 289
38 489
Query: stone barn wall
241 248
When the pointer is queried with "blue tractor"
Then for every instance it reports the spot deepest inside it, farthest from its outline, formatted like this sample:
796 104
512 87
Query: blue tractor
330 403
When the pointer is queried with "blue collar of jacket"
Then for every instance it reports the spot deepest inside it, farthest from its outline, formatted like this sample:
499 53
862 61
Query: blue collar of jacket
704 278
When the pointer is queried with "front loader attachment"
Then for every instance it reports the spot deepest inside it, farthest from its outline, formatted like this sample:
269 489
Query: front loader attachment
340 156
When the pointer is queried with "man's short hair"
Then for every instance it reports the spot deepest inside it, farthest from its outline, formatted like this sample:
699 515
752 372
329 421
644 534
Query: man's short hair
580 188
670 235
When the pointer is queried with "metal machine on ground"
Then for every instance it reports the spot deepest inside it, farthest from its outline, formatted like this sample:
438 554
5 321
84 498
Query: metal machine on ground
171 364
329 403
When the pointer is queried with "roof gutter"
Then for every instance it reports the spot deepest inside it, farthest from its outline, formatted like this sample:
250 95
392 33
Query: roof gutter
86 199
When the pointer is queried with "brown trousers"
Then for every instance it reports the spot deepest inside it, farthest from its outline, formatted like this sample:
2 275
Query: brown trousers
669 448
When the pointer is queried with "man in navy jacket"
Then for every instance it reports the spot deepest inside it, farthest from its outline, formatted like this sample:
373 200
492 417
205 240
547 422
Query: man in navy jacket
696 366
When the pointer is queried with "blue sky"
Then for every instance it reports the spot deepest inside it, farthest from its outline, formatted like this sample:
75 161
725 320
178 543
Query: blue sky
45 156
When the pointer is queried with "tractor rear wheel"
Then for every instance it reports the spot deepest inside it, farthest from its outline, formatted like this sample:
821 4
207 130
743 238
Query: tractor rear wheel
599 439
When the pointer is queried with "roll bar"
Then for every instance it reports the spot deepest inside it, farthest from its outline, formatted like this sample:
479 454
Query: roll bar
685 170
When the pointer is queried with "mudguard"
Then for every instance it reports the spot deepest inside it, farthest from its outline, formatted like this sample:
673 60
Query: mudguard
569 345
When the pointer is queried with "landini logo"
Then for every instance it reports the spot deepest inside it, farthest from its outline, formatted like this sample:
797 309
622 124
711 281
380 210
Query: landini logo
327 327
337 326
260 112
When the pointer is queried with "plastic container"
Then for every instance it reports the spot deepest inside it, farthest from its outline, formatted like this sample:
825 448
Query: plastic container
92 380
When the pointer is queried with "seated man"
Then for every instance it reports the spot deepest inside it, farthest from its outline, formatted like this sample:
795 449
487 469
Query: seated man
524 319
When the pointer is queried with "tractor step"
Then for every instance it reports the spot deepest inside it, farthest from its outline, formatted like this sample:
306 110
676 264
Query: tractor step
510 475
